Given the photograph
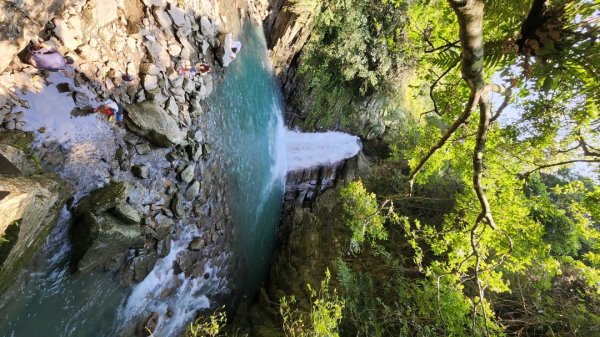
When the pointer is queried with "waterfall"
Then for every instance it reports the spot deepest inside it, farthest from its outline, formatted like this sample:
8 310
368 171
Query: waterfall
306 150
257 151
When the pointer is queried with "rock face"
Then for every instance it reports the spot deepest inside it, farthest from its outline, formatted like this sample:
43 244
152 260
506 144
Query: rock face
149 120
287 29
27 214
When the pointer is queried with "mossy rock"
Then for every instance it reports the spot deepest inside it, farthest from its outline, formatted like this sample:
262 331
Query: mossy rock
102 199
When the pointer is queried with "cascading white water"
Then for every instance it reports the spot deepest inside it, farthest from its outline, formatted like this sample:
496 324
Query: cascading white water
306 150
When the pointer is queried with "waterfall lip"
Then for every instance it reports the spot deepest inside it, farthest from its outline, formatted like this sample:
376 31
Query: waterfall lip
307 150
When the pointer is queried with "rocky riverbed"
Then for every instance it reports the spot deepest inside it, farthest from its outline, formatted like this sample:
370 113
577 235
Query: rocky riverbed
134 186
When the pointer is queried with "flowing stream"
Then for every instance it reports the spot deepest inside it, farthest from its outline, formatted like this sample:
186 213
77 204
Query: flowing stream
257 151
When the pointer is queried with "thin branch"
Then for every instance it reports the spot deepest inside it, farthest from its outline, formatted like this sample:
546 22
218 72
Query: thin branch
506 92
442 47
435 83
588 150
473 101
566 162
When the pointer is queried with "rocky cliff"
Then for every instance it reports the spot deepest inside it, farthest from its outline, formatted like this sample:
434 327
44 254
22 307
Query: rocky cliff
30 203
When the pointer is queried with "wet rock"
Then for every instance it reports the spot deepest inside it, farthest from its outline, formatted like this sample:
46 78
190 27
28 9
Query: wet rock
140 171
81 100
196 244
142 149
147 327
96 239
163 247
102 199
141 266
187 174
162 226
122 156
27 214
188 261
206 149
192 190
150 82
177 206
149 120
126 213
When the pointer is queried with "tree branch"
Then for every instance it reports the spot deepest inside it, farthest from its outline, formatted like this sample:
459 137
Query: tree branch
442 47
566 162
473 100
435 83
506 92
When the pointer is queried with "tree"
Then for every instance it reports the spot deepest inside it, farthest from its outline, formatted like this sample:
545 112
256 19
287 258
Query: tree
557 49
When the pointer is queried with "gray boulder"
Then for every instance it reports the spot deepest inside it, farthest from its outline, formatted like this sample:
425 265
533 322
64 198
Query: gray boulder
126 213
148 120
96 239
102 199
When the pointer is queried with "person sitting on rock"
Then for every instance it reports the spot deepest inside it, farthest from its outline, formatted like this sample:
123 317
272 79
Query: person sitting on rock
47 58
111 109
200 68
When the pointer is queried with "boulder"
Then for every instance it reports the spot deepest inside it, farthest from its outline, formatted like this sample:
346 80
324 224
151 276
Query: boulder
177 206
207 28
178 16
196 244
149 69
148 120
192 190
88 53
140 266
150 82
127 214
102 199
66 35
187 174
146 327
96 239
140 171
9 50
142 149
162 18
102 12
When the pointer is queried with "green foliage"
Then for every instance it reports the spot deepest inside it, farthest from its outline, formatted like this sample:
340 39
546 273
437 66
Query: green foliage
208 326
362 215
323 318
356 52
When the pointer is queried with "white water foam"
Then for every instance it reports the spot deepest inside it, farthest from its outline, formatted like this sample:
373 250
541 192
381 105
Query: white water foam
305 150
175 298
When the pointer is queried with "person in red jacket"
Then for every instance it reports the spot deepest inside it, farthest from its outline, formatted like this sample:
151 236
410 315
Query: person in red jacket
111 109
